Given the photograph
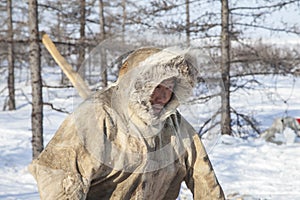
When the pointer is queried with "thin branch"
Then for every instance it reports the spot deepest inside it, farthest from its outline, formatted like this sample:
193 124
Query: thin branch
203 99
243 86
201 132
248 120
5 88
57 86
277 5
268 28
56 109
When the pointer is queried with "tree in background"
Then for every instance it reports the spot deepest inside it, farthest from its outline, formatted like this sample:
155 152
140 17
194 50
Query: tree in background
11 61
103 63
187 19
36 80
225 69
81 47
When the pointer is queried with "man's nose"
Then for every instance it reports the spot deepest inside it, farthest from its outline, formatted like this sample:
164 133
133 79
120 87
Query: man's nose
162 97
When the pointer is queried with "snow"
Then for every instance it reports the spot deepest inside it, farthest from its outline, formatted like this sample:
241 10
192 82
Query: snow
247 168
258 169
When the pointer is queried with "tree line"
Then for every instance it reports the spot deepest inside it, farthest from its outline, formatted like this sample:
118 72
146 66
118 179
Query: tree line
224 28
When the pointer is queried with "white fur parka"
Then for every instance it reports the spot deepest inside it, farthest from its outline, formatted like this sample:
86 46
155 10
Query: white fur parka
113 146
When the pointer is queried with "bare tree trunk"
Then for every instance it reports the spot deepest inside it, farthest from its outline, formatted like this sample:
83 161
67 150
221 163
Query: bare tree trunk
11 63
102 20
59 30
81 57
225 67
103 52
187 21
124 19
36 81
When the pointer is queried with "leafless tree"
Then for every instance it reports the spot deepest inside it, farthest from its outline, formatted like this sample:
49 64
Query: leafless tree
103 51
187 21
124 16
225 70
36 80
11 61
81 46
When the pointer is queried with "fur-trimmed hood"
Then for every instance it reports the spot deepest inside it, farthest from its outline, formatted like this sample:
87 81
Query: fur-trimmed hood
134 88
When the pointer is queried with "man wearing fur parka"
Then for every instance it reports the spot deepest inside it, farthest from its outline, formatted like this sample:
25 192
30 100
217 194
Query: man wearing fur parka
128 141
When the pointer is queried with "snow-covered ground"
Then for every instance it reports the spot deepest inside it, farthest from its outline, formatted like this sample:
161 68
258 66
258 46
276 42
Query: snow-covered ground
246 168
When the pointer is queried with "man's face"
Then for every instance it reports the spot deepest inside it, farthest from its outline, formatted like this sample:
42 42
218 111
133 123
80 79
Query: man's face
162 95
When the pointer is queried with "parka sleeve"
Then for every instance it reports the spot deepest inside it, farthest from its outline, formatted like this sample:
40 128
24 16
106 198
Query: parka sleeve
201 178
65 168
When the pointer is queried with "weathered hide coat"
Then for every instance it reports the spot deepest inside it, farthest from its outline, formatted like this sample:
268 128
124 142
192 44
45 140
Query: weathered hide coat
114 147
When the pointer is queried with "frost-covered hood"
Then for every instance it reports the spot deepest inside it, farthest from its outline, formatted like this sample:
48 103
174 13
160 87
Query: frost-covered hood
134 88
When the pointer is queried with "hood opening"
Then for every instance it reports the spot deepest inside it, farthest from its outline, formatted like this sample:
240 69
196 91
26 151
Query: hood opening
162 94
